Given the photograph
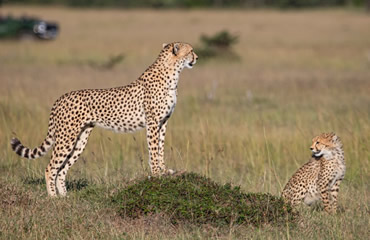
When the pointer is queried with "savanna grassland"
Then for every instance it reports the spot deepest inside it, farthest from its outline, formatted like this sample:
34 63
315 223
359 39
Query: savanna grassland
248 122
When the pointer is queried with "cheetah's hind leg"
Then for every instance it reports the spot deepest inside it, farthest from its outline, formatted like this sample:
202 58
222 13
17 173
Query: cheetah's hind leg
61 153
77 150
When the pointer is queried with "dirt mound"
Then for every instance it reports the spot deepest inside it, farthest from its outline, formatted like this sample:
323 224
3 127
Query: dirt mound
196 199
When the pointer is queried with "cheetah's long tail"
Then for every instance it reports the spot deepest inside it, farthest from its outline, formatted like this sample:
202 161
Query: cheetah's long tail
38 151
31 153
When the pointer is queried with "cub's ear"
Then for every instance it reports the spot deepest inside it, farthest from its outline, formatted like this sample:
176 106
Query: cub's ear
335 138
164 45
175 49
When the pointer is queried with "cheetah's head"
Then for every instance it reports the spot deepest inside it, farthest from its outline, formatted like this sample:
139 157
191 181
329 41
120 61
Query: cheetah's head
324 144
180 54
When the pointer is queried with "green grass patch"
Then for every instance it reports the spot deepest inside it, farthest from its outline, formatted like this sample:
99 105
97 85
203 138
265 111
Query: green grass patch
199 200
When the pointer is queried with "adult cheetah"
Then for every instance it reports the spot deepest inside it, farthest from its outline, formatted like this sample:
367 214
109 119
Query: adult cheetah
319 179
147 102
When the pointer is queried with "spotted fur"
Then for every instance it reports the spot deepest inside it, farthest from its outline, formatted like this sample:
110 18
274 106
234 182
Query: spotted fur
319 179
147 103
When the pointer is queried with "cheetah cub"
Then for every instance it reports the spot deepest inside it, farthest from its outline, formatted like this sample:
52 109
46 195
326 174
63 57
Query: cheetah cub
319 179
148 102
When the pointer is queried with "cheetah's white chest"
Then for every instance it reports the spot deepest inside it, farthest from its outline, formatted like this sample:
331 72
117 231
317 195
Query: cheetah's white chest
171 100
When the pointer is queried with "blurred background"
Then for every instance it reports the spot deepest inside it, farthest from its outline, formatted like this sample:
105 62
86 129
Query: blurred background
271 75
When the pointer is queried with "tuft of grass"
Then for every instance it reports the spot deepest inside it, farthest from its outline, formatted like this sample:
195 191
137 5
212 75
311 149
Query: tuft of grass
199 200
72 185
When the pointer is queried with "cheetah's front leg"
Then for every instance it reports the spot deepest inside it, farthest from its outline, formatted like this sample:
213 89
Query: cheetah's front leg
162 135
152 136
334 194
323 184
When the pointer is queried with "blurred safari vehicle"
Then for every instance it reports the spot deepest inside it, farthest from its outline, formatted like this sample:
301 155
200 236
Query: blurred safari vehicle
27 27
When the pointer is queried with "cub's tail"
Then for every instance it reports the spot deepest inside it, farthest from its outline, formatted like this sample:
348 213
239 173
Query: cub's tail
31 153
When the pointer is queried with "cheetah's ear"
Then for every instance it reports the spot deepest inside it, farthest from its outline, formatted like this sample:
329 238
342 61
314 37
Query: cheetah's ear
164 45
334 137
175 49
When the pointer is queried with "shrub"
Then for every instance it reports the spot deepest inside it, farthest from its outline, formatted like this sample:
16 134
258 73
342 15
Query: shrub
217 46
222 39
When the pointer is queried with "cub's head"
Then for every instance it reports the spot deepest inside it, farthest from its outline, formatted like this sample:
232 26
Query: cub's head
324 144
179 54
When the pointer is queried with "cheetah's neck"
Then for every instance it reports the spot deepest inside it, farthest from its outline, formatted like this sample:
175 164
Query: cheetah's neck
336 154
163 72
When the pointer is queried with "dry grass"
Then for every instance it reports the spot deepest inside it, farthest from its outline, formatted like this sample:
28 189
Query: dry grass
249 122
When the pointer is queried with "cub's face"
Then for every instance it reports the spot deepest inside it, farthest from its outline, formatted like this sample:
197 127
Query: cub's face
181 54
323 144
